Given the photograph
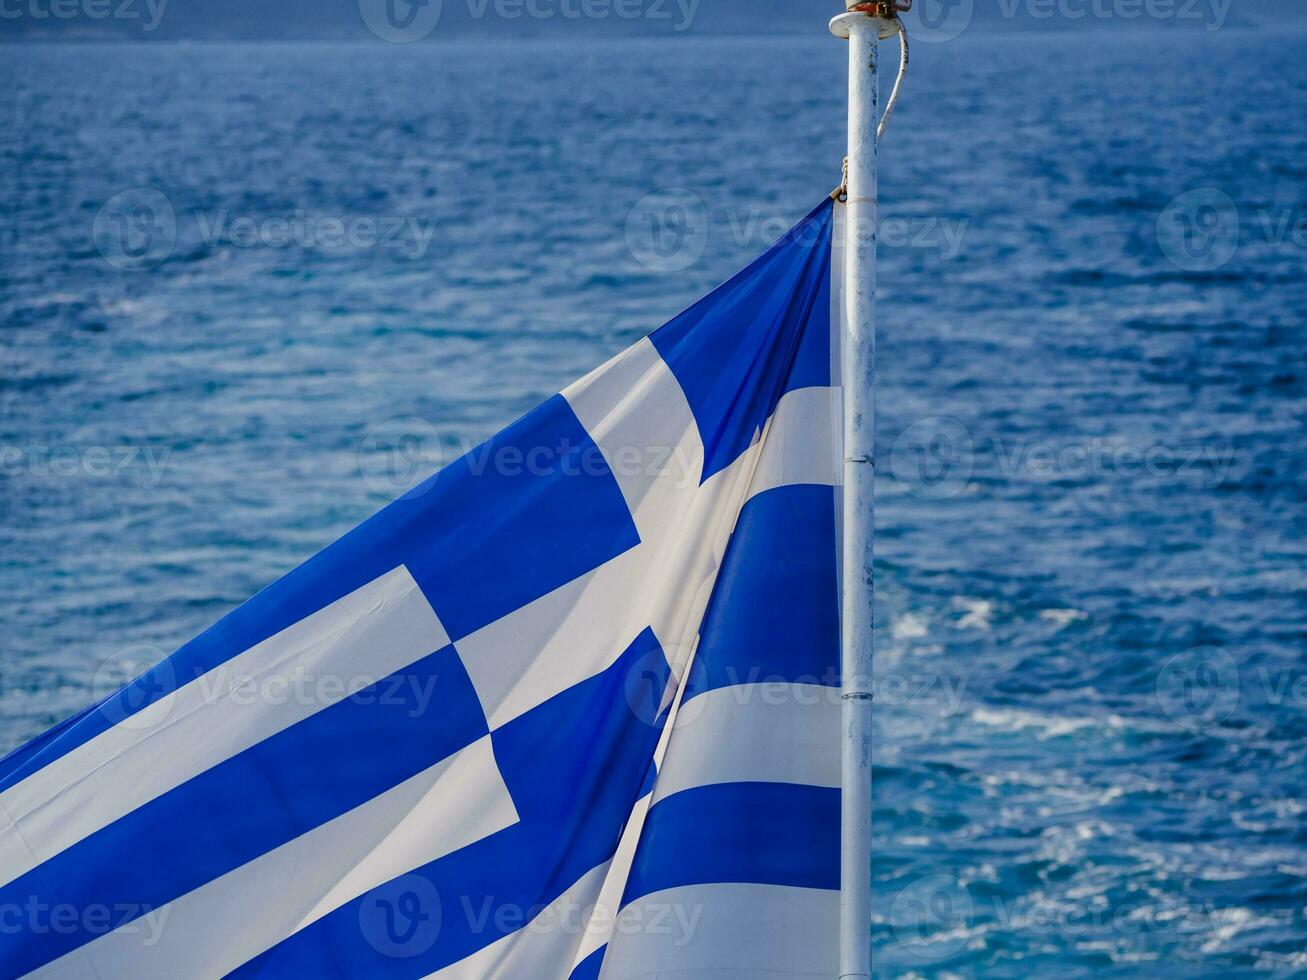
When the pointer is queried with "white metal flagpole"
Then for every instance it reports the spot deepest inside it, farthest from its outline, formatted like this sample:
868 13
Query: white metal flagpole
864 24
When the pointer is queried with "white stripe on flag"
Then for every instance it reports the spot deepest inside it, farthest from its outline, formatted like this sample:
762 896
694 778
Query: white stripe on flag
636 413
366 635
599 927
218 926
549 645
803 444
727 932
754 733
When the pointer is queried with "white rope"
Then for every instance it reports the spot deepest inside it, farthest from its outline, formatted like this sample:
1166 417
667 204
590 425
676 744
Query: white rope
898 82
840 192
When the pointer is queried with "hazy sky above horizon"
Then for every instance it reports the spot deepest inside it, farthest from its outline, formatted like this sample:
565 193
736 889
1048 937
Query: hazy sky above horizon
411 20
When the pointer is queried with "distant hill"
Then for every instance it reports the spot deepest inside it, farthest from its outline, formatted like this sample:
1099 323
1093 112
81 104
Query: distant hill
446 19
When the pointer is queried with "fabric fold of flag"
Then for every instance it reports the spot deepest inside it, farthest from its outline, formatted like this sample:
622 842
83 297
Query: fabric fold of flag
567 709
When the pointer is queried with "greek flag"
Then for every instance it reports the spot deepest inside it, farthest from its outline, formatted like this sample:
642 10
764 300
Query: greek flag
572 705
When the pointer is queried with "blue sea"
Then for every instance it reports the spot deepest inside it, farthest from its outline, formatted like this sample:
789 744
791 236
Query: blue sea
252 291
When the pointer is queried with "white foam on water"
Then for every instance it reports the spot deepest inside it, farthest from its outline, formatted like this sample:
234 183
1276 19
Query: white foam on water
908 627
1061 618
977 616
1228 923
1047 726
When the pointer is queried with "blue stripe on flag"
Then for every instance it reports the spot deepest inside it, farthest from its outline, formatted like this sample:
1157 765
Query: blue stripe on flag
499 533
574 766
763 333
588 968
774 614
555 757
759 833
323 766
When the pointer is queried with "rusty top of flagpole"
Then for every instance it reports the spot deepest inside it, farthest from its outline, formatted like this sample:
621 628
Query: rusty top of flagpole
886 11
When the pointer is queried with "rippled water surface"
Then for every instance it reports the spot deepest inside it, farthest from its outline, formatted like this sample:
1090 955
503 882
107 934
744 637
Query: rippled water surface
318 268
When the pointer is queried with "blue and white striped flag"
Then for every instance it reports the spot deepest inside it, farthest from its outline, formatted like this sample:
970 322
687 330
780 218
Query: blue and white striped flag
568 709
